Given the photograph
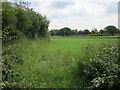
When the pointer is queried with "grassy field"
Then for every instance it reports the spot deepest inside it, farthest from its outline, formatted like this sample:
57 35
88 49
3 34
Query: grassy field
53 63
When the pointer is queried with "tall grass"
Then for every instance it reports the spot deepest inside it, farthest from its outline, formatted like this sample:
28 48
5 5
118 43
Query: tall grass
53 63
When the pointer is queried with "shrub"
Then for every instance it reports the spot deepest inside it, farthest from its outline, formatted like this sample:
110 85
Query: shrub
9 35
101 71
9 60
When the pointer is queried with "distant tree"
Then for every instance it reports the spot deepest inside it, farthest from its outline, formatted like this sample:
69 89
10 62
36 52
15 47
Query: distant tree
94 31
111 30
101 32
65 31
54 32
80 32
86 31
118 32
74 32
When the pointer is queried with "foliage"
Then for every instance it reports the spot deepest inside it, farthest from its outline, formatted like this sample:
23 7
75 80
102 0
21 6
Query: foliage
54 32
9 34
40 63
107 31
80 32
111 30
65 31
74 32
102 31
102 70
86 31
49 64
19 20
9 61
94 31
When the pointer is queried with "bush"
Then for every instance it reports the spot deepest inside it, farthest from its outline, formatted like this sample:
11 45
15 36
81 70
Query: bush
9 60
101 71
9 35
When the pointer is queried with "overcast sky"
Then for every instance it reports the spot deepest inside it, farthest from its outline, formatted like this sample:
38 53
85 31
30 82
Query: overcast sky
78 14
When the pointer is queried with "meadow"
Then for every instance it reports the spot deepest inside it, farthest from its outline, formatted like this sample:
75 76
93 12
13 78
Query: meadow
53 63
31 58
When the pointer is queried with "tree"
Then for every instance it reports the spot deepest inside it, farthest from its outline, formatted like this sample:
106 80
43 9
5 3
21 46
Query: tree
65 31
18 20
74 32
86 31
9 29
8 15
101 32
94 31
54 32
80 32
24 22
111 30
118 32
42 32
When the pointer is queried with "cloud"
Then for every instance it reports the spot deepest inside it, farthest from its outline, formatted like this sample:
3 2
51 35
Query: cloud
60 5
62 0
112 8
80 15
72 0
84 23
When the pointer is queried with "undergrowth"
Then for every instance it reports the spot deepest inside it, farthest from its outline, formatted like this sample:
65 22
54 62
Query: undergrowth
102 70
43 63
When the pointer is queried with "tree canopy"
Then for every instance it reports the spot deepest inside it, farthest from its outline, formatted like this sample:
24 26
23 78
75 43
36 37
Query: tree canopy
111 30
19 20
66 31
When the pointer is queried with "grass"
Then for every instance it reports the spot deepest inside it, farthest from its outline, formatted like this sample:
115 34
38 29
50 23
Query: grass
51 63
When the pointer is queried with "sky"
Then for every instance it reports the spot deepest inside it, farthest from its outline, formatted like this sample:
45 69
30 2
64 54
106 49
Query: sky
78 14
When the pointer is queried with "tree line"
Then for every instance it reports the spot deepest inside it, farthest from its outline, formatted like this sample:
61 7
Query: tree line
18 20
109 30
